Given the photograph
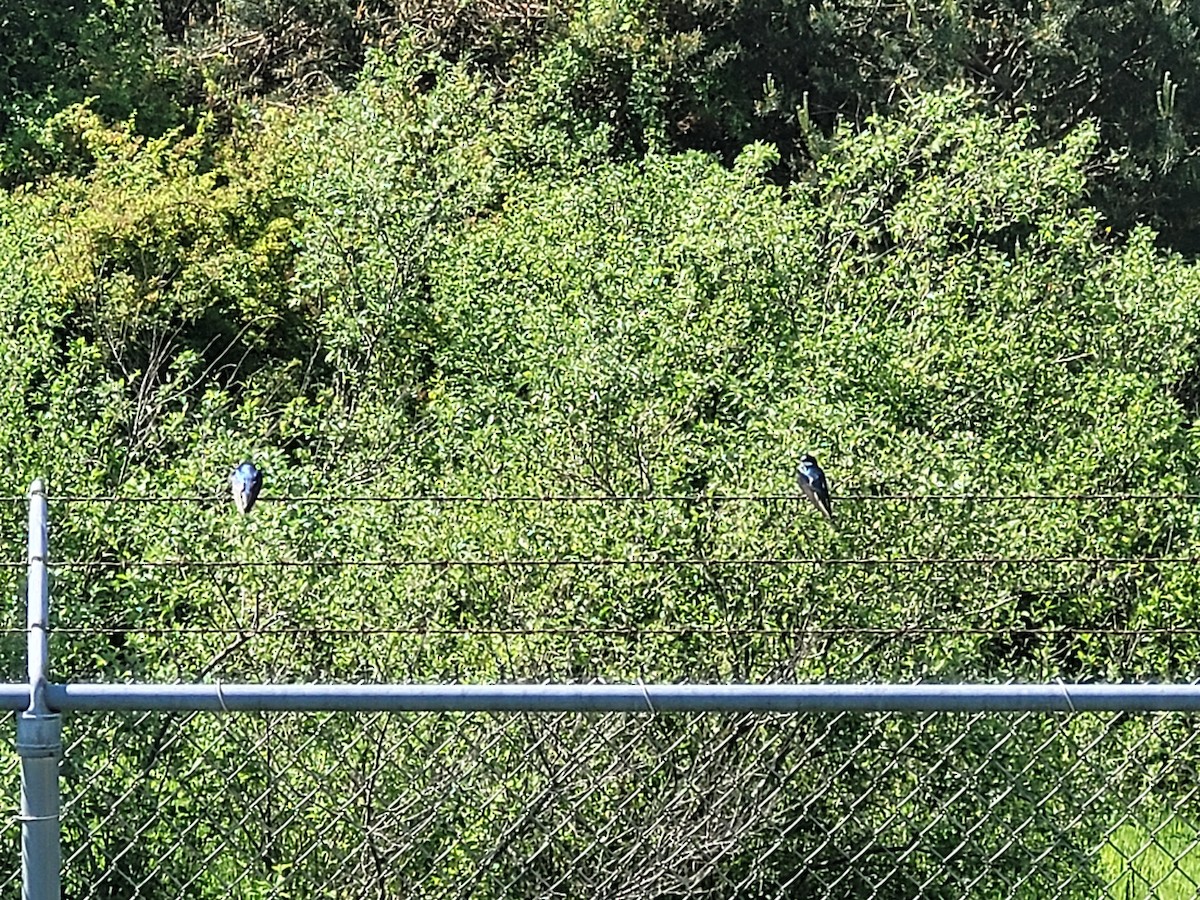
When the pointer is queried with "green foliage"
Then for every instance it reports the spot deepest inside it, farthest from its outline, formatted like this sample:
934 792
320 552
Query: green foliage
389 173
717 74
601 78
623 77
396 294
104 52
161 284
1143 861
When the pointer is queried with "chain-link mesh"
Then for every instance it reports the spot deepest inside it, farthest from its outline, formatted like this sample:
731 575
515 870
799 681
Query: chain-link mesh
629 805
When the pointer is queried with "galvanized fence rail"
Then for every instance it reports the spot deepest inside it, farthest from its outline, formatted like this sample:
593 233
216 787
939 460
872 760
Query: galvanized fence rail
605 790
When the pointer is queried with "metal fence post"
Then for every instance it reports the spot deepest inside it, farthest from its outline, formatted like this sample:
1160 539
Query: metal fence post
39 731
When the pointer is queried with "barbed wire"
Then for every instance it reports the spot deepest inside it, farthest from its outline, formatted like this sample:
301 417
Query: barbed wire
582 562
701 631
621 631
329 499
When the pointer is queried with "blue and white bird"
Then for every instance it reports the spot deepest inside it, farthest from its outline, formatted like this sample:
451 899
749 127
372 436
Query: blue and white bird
246 482
814 485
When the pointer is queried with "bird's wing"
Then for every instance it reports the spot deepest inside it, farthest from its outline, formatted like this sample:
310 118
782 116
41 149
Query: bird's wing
819 494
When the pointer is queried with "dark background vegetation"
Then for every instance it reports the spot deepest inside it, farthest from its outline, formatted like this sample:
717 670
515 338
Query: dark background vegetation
710 75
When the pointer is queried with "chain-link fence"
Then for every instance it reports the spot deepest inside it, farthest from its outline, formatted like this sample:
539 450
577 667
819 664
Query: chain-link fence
628 805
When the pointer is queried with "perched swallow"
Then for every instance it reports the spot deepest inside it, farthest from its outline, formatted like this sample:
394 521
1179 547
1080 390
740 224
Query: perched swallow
815 486
246 482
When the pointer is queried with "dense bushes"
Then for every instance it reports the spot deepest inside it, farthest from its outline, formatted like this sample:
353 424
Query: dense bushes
711 75
382 293
429 285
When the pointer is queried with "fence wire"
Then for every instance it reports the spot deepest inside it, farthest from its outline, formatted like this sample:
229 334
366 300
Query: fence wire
621 806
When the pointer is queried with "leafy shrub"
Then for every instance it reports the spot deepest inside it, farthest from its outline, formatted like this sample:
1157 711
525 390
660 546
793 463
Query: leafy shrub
390 295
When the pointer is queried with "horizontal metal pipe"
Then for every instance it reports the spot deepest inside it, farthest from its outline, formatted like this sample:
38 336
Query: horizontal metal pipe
625 697
14 697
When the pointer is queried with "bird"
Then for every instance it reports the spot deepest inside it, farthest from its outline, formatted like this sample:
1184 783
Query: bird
814 485
246 481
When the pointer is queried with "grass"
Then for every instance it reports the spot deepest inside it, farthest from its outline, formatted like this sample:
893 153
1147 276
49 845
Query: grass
1159 863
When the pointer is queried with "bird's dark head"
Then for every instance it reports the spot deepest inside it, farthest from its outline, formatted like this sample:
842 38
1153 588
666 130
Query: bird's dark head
808 460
